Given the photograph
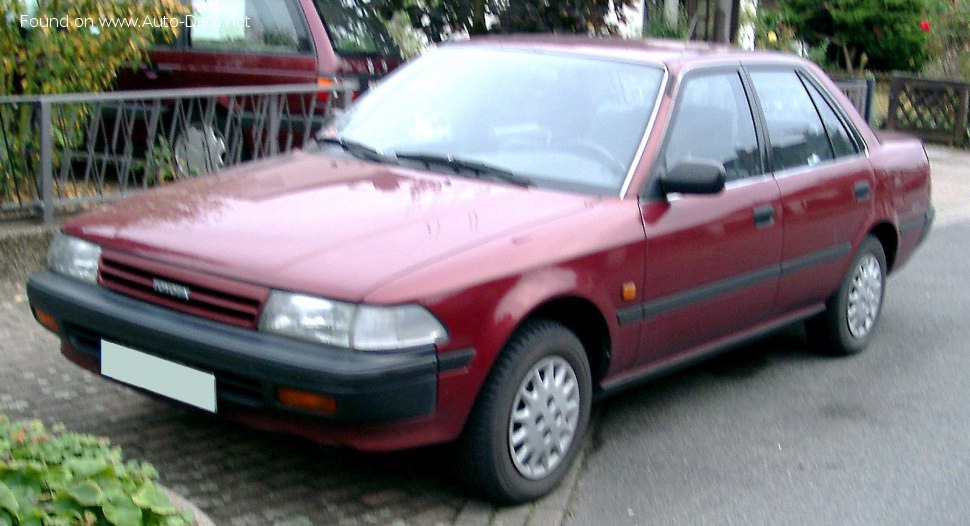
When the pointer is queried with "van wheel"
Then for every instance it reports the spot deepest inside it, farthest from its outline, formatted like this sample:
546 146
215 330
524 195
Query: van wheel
199 148
851 314
530 418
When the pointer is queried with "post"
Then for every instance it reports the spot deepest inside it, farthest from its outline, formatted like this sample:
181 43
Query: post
273 133
671 12
960 123
895 89
45 177
870 92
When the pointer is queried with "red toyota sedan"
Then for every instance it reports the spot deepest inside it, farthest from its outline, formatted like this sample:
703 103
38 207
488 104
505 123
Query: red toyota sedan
499 234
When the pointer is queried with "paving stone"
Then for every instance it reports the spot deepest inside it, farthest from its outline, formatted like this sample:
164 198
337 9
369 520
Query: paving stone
239 476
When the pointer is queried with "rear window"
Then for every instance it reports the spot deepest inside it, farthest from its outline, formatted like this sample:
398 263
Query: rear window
355 29
254 26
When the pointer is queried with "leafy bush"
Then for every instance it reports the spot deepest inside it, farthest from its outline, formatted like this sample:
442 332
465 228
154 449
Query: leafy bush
54 478
886 34
949 31
66 46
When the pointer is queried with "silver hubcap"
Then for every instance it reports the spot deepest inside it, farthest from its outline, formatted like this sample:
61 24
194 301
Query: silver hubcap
865 295
544 417
199 149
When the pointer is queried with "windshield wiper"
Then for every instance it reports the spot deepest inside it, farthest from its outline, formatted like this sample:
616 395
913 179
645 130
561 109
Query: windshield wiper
357 149
478 168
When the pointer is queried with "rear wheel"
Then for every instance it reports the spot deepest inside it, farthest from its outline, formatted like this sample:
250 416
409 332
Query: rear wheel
531 416
851 314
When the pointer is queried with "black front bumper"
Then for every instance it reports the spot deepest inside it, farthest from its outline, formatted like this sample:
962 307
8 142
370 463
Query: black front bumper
248 365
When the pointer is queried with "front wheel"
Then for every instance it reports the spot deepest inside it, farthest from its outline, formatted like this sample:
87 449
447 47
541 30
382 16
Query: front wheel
531 416
851 314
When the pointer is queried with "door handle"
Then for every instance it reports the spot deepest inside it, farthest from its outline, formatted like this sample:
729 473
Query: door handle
154 70
764 216
862 191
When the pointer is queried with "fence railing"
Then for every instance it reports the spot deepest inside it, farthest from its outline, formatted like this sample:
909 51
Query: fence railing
59 152
935 110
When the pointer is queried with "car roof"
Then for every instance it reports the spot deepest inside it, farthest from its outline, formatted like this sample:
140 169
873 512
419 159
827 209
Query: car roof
651 50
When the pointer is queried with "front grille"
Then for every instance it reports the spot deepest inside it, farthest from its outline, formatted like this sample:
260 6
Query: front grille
136 278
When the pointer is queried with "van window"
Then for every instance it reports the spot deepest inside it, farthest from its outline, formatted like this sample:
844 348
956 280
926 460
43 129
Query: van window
355 28
255 26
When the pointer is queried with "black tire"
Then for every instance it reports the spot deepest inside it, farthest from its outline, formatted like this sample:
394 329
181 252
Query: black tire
484 452
831 332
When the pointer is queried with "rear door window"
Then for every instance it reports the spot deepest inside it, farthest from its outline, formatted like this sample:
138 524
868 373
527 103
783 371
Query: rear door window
795 130
251 26
355 29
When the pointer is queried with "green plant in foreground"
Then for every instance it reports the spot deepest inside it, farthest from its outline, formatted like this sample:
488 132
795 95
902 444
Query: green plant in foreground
58 478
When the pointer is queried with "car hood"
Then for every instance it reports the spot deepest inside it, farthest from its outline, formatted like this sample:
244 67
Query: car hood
328 226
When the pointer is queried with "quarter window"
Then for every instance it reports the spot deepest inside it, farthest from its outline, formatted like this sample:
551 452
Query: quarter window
713 122
255 26
842 144
795 130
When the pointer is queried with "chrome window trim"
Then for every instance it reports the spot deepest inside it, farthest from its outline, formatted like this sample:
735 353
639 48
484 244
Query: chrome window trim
729 185
797 170
746 181
646 134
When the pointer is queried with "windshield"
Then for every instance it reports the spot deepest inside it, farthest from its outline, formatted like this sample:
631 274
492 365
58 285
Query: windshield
560 121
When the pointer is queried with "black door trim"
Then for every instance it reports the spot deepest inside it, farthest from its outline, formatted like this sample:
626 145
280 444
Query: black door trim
707 291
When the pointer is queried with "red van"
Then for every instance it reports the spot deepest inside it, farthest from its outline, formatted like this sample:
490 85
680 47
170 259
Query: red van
260 42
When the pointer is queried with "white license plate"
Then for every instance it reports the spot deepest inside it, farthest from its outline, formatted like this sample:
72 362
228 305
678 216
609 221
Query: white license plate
175 381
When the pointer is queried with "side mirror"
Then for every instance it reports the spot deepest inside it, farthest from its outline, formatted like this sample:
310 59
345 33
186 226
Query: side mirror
694 177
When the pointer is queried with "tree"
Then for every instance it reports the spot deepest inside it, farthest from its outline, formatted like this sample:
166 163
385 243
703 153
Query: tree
440 18
948 25
63 46
885 34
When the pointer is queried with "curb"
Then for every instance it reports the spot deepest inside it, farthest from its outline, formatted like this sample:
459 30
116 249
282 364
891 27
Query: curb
183 504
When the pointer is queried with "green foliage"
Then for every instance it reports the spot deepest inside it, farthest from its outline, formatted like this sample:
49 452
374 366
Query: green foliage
949 34
52 477
440 18
408 39
772 31
72 47
886 34
75 58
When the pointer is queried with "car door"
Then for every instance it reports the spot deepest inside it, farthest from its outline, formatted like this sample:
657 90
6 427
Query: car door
162 70
825 179
712 261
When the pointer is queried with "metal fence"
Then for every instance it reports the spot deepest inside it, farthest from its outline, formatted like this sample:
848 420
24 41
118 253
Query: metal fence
935 110
60 152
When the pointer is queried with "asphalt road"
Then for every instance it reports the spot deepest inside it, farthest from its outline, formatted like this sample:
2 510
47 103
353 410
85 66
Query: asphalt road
773 434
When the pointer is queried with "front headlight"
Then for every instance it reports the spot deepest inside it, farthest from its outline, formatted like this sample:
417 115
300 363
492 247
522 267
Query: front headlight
74 257
360 327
